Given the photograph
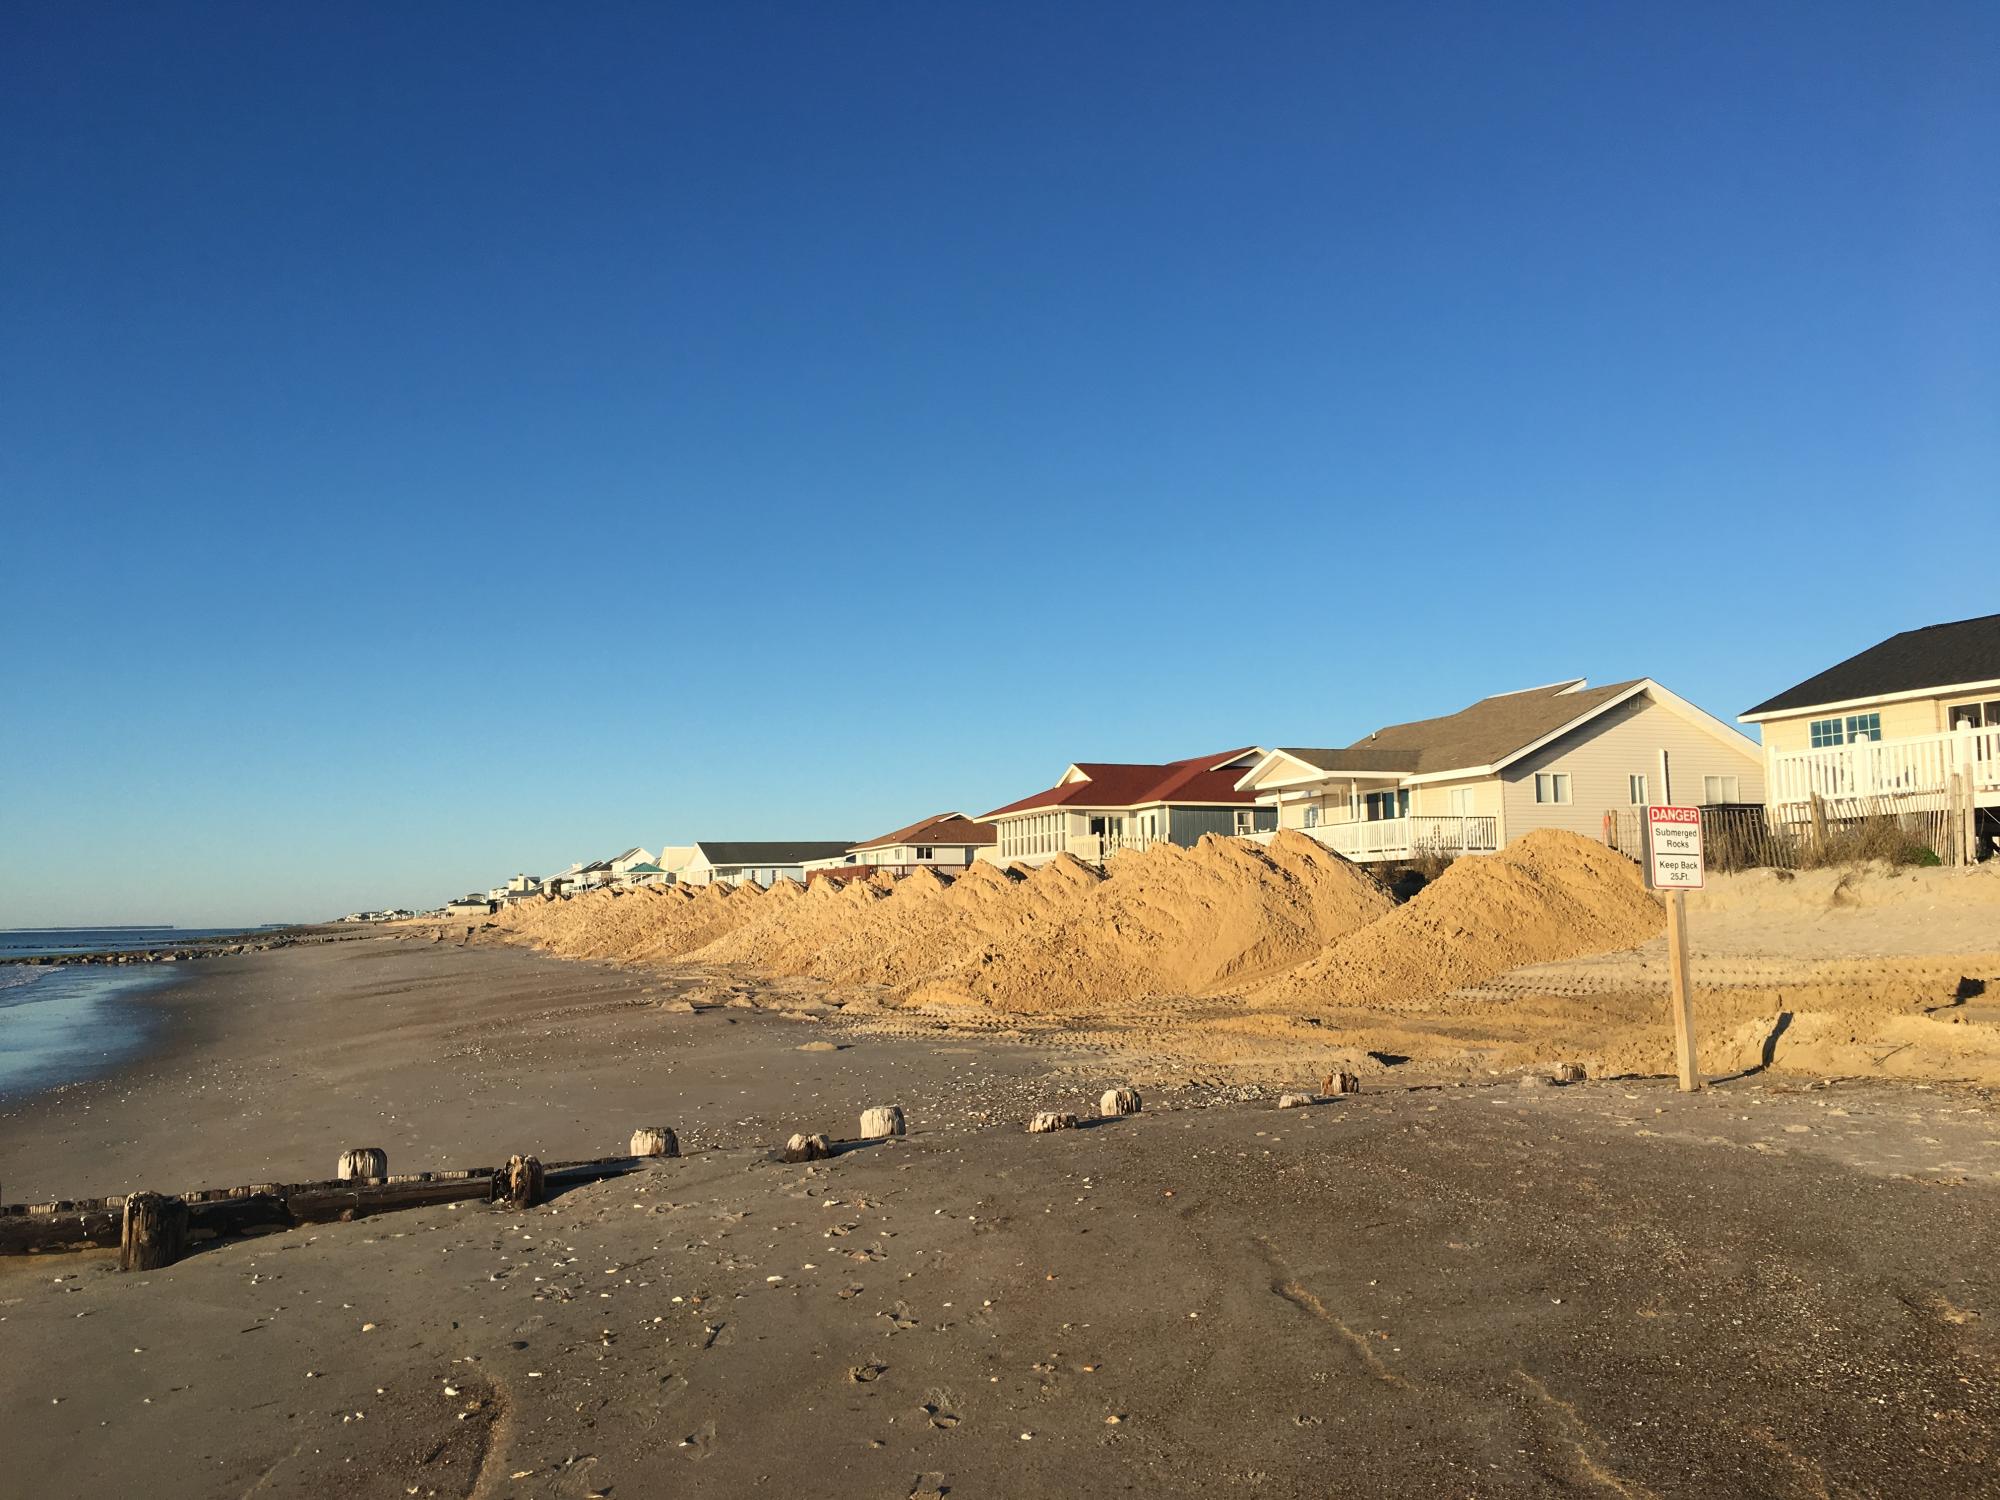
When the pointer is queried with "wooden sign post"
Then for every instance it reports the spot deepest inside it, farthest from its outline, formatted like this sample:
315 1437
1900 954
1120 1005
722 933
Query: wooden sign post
1674 865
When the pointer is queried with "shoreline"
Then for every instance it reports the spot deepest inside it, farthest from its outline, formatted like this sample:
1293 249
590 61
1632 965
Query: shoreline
223 944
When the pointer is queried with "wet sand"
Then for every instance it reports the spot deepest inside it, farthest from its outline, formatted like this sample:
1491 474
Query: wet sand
1768 1289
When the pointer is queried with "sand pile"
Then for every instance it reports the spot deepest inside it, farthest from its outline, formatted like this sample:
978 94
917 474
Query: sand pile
649 923
1549 895
1166 921
1289 926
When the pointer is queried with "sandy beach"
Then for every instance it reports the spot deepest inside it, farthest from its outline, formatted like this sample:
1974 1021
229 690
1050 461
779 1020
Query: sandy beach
1776 1287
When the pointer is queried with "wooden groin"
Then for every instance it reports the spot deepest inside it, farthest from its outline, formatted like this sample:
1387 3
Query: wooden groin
269 1207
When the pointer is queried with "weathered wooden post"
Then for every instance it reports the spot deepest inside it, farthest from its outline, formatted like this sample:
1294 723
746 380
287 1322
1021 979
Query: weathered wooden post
1051 1119
519 1184
1570 1073
655 1140
363 1162
1119 1101
1341 1083
155 1232
881 1121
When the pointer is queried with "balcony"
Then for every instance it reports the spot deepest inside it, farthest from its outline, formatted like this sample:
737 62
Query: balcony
1914 771
1409 837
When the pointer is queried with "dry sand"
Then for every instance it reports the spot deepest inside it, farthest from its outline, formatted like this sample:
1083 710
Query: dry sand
1767 1290
1279 964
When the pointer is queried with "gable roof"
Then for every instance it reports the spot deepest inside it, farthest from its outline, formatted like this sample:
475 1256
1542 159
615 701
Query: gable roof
1487 733
939 828
770 852
1200 780
1959 652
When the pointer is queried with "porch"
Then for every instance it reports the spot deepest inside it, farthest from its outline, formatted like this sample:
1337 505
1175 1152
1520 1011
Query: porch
1409 837
1917 769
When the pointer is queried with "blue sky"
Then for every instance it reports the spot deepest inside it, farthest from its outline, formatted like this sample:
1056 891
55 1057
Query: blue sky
442 440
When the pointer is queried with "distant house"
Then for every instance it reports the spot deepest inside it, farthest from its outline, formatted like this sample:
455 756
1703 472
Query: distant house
1896 721
643 874
621 863
474 905
764 862
944 841
1560 756
1099 807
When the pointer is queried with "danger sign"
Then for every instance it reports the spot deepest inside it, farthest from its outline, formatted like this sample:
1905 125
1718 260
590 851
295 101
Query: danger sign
1673 845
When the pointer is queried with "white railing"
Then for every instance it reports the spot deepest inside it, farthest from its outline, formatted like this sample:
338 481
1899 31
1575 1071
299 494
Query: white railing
1404 838
1918 765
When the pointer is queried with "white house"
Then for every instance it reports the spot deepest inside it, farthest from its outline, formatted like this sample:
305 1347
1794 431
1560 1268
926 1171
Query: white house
763 862
1892 728
946 842
1099 807
1561 756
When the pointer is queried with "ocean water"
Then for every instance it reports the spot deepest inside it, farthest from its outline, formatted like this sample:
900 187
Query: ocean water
69 1022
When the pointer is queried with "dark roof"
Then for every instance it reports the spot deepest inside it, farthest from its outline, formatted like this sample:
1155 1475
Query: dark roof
1484 734
939 828
1197 781
1935 656
779 852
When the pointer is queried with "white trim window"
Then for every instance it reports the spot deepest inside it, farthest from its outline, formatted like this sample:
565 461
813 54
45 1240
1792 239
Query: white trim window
1552 787
924 852
1635 790
1463 801
1854 729
1716 789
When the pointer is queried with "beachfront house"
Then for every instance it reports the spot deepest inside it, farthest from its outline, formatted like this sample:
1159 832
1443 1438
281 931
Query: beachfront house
1562 756
1099 807
736 861
563 881
1889 728
946 842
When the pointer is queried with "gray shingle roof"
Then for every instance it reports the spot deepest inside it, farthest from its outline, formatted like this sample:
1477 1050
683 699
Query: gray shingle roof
780 852
1489 731
1934 656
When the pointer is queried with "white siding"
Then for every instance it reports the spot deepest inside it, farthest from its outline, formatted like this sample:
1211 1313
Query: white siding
1600 757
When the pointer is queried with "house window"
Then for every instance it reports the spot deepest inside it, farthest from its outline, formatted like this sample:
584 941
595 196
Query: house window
1852 730
1461 801
1312 815
1384 805
1635 790
1716 789
1552 786
924 852
1975 716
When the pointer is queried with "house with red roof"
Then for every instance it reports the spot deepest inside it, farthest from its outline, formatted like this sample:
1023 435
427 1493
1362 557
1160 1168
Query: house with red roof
945 842
1099 807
